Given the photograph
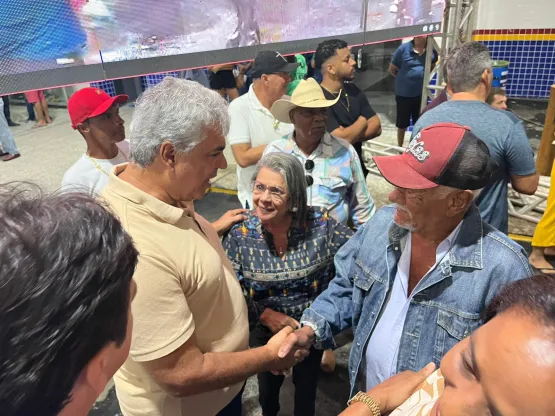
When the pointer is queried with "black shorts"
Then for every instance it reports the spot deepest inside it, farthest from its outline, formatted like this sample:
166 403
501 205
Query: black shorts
222 80
407 107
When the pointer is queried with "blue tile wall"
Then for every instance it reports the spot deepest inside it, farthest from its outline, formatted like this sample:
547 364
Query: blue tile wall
107 86
153 79
532 68
144 83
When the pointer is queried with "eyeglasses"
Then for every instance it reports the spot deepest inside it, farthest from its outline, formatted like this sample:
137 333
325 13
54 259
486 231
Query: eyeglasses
276 193
309 167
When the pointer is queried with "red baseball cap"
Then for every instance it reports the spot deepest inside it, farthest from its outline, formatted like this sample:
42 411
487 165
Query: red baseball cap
91 102
445 154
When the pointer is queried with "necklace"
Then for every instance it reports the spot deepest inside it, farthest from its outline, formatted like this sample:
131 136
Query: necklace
338 94
348 106
98 167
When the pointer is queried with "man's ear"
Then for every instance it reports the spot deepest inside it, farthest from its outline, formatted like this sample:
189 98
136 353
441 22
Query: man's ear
83 128
292 116
95 375
167 153
329 68
460 202
485 77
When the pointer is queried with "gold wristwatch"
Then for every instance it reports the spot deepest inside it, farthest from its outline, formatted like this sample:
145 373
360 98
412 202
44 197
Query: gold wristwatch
368 401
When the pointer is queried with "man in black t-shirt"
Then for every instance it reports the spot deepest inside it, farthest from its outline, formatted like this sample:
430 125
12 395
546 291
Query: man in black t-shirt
351 118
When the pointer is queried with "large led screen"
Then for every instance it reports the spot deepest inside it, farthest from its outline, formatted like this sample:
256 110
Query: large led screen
46 35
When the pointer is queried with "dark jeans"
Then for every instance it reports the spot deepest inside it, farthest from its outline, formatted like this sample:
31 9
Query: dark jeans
235 407
305 379
31 112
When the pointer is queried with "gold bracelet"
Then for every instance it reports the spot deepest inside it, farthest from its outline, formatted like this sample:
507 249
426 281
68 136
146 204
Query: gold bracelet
368 401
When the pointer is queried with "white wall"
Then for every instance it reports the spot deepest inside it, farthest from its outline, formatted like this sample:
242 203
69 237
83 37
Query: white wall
516 14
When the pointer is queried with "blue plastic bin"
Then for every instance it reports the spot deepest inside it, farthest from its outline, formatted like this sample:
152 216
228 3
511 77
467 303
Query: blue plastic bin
500 74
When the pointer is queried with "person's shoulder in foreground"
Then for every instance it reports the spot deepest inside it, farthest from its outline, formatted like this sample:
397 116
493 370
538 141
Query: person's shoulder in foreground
66 280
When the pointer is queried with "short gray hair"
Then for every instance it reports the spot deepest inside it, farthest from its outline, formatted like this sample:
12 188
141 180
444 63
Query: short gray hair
292 172
466 64
177 111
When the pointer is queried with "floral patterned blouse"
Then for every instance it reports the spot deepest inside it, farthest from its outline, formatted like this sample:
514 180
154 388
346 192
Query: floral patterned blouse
291 284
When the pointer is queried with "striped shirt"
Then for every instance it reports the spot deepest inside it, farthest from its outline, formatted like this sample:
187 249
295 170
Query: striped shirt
339 184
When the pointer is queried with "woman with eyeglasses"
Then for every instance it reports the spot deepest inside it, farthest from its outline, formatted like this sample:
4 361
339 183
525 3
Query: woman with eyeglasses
283 255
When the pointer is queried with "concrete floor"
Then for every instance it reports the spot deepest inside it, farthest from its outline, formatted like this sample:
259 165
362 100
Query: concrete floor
49 151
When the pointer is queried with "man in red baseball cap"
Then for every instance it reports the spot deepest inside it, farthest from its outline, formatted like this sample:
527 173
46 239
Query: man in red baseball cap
414 280
95 114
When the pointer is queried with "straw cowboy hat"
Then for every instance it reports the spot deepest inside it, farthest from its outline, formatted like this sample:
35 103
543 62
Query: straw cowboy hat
308 94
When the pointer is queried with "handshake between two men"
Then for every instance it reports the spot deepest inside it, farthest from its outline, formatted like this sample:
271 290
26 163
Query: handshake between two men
292 346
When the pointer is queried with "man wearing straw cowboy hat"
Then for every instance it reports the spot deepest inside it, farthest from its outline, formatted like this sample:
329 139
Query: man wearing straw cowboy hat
332 166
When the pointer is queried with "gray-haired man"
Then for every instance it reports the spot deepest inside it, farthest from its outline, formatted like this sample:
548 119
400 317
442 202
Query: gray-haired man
469 70
189 351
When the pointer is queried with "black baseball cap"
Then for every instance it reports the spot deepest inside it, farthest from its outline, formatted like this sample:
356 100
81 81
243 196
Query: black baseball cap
271 62
445 154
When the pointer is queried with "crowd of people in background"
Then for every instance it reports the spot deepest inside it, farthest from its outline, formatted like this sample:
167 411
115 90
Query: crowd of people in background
118 276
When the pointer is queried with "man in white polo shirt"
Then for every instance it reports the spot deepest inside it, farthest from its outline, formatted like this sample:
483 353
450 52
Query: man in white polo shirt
252 124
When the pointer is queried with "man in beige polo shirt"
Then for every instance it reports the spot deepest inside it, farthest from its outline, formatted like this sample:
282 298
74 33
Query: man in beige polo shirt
189 351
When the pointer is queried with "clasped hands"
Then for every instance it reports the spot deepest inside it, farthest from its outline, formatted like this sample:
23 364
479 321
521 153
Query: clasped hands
290 344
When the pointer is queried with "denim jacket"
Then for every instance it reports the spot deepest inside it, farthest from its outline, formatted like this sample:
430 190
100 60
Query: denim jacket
448 303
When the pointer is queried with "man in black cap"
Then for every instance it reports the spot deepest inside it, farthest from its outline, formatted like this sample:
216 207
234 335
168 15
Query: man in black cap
252 124
414 280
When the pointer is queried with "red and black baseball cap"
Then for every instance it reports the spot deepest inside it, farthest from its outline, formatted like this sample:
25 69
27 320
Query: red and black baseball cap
91 102
445 154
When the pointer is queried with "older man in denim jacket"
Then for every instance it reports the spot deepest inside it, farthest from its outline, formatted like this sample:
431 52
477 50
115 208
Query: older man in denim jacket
414 280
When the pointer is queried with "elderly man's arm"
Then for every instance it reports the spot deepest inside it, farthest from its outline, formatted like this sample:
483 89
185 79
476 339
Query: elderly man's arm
361 204
332 311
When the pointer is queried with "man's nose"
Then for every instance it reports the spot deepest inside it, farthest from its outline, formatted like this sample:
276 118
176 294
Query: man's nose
222 162
396 197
